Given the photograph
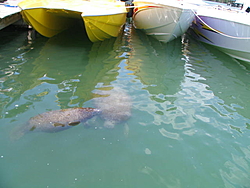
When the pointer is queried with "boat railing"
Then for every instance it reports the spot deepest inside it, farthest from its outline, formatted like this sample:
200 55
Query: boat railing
223 8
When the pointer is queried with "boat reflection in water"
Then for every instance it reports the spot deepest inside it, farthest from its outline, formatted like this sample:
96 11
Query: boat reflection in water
64 70
194 96
216 88
155 68
221 74
159 71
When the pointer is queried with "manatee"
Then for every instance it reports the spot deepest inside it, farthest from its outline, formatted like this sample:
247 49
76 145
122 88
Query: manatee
115 107
57 120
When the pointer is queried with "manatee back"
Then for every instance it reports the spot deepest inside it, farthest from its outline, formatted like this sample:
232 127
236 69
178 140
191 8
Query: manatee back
54 121
58 120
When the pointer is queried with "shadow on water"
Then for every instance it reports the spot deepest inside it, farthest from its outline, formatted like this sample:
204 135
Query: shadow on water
66 67
12 34
13 56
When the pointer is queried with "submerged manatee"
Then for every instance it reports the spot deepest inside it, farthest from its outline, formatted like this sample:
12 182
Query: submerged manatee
115 107
57 120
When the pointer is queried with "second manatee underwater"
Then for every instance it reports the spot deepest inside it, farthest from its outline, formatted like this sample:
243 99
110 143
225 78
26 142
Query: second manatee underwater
115 106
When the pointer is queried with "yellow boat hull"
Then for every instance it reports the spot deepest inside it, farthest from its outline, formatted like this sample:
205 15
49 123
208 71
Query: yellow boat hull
99 28
46 23
102 19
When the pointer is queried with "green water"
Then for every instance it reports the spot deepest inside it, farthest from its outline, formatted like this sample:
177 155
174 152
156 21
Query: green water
190 123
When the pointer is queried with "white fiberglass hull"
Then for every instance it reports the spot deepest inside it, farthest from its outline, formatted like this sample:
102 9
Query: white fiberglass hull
163 21
229 31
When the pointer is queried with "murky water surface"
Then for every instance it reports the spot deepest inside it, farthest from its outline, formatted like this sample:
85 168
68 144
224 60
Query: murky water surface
189 124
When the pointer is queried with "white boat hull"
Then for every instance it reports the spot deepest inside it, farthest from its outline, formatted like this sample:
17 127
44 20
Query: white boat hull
228 31
162 21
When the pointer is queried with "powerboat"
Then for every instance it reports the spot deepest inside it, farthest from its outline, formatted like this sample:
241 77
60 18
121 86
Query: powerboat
164 20
226 28
102 19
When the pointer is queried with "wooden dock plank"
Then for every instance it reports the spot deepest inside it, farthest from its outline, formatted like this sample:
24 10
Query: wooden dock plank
8 14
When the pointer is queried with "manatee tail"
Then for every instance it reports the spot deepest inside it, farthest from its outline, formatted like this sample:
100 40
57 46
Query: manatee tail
17 133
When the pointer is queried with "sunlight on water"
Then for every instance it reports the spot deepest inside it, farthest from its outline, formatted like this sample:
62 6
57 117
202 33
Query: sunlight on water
189 123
